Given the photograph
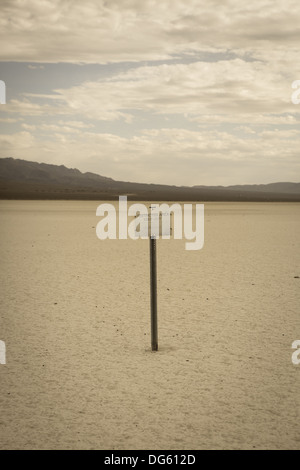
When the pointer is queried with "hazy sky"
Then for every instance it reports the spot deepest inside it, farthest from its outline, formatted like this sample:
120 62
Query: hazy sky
180 92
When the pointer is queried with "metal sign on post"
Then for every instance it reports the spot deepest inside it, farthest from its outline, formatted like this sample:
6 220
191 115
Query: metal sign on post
153 226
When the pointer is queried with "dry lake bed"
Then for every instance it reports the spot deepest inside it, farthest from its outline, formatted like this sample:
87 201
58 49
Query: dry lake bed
75 318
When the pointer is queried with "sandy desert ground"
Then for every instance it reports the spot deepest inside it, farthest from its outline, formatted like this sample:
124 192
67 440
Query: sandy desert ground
75 318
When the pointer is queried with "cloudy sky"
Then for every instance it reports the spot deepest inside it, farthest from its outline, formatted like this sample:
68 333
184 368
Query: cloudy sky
179 92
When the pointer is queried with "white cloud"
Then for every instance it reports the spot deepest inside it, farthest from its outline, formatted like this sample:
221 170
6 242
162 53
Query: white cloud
223 91
250 118
171 156
111 31
35 67
28 127
235 65
26 107
8 120
77 124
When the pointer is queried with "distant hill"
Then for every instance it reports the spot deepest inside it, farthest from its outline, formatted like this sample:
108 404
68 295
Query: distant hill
20 179
289 188
33 172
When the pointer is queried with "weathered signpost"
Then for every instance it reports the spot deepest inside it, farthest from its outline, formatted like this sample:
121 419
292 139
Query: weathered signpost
158 224
152 224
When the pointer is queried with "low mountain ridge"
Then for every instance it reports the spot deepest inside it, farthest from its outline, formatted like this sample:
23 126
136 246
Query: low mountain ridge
21 179
284 187
22 170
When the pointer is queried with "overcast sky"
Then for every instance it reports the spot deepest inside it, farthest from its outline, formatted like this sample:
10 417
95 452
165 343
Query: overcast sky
181 92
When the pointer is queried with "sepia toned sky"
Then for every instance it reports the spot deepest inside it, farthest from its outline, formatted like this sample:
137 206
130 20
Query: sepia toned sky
182 92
